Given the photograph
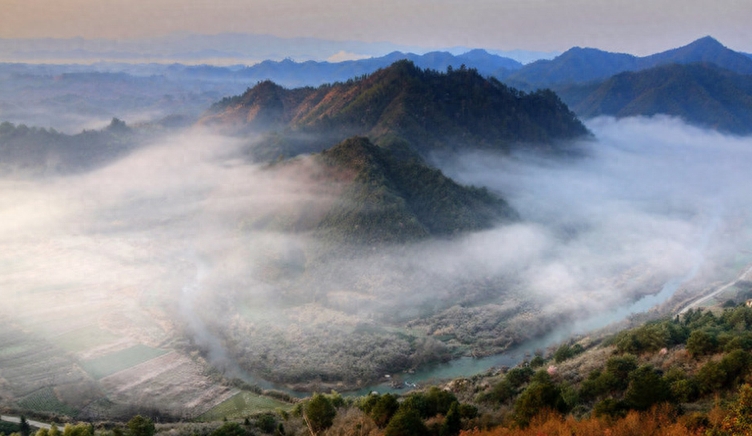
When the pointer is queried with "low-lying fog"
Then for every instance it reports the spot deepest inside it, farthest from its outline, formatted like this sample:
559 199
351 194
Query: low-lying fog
191 236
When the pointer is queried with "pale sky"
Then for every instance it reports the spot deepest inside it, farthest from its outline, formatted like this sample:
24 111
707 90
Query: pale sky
634 26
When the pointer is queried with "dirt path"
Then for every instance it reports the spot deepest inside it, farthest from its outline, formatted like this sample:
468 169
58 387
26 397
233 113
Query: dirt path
717 291
31 422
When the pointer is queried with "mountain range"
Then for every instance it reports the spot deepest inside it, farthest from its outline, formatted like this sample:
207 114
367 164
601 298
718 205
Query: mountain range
431 111
578 65
702 94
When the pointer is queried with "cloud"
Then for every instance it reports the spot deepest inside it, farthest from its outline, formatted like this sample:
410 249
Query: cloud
342 55
208 245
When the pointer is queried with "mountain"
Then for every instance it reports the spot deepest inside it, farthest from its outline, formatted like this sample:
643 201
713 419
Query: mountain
311 73
430 110
394 196
579 65
701 94
573 66
31 150
707 50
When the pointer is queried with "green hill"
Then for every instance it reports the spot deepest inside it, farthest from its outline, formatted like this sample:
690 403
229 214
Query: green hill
430 110
394 197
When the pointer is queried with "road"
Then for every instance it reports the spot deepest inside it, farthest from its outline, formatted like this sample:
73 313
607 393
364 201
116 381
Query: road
31 422
717 291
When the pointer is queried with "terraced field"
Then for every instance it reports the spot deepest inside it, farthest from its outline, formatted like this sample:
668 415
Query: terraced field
28 364
45 400
120 360
241 405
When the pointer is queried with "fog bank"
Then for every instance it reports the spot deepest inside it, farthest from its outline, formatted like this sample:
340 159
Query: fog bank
185 244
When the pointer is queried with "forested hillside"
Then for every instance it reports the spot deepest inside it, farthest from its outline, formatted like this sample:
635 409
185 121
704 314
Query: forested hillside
432 111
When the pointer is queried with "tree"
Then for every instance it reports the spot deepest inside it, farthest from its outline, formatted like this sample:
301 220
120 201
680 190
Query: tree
319 413
140 426
452 422
24 427
739 421
701 342
383 410
266 423
538 396
79 429
230 429
406 422
646 388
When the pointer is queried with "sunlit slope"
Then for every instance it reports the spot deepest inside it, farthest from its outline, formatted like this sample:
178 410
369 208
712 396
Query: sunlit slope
432 111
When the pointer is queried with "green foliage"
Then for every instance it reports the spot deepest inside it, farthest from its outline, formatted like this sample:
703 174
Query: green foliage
82 429
320 412
383 409
139 426
23 426
651 337
539 395
646 388
433 111
468 411
452 421
739 421
406 422
685 390
567 351
614 378
736 365
8 427
519 376
711 377
229 429
537 361
431 403
702 342
610 408
397 197
266 422
45 400
620 367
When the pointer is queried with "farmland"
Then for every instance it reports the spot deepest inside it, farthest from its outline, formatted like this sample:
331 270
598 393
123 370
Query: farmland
93 341
120 360
242 404
45 400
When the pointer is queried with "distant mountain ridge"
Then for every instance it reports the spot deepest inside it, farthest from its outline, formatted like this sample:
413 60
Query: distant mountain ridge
289 73
578 65
702 94
431 111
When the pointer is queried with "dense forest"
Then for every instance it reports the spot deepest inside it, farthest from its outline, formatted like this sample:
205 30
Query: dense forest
432 111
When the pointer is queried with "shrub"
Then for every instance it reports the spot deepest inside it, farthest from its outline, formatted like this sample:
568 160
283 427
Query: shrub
646 388
319 412
406 422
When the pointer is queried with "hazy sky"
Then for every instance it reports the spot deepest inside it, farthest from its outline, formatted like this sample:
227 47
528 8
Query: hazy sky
634 26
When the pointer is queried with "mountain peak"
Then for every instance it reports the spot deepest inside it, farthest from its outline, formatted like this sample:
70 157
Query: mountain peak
706 49
706 41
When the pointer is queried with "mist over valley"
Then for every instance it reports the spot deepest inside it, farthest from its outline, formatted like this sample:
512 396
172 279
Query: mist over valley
283 241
